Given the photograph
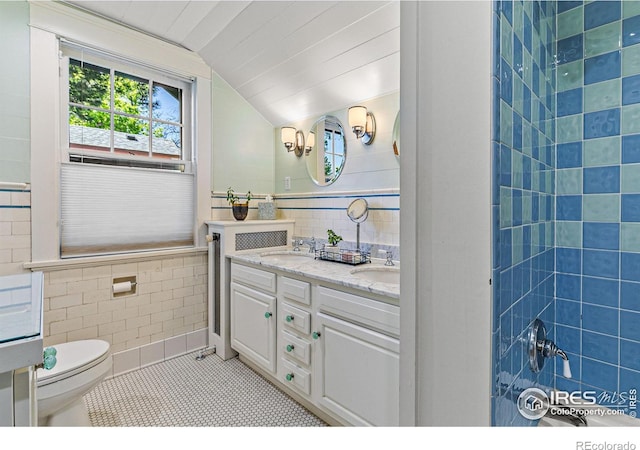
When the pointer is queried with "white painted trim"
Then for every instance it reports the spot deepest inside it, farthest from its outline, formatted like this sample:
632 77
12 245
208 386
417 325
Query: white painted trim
446 213
16 186
93 261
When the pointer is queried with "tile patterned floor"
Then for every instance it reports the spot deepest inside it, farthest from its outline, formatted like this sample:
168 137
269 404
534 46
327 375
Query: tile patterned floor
183 392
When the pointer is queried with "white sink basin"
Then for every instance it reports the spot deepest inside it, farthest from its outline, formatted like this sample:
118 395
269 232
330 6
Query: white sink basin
390 275
285 257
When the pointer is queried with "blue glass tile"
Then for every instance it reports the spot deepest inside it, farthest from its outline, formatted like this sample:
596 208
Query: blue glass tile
517 282
568 286
631 90
507 10
568 260
517 55
569 155
601 263
495 47
629 328
605 236
495 109
630 31
517 207
568 339
526 248
526 103
600 13
535 207
630 266
526 172
535 79
630 354
569 102
506 82
602 123
630 295
569 49
568 312
569 207
506 289
527 33
600 319
600 347
600 291
602 67
517 131
567 5
505 166
505 248
600 180
599 374
631 148
631 207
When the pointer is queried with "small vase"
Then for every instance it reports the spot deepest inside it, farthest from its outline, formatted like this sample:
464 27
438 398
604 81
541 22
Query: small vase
240 210
333 249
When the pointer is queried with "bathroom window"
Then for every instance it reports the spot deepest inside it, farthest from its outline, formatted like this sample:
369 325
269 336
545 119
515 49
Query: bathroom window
127 175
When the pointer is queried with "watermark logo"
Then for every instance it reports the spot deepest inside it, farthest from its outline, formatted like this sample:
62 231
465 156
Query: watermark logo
534 403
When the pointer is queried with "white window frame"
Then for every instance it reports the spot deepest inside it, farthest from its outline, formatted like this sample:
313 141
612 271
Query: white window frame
51 21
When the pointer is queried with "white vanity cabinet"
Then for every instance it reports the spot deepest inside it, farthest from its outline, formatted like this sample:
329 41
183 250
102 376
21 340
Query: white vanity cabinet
294 334
253 314
337 351
357 358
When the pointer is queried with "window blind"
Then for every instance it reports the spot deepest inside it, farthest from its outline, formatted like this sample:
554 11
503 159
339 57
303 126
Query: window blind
109 209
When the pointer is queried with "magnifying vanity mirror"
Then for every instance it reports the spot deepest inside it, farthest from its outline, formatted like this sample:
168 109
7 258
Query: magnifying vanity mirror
358 211
325 159
396 136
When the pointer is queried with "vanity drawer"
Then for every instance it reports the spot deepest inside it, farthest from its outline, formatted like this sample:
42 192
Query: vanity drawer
371 313
296 377
296 348
296 318
296 290
249 276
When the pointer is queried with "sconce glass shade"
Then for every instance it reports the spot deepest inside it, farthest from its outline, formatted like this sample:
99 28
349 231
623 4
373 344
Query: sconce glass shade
288 136
311 141
362 123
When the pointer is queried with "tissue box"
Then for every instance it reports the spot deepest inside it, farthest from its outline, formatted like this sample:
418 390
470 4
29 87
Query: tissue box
266 211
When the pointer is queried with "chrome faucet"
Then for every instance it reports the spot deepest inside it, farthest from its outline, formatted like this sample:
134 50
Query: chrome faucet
311 243
389 257
296 244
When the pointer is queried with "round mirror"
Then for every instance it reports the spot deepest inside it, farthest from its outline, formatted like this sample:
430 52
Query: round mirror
327 151
396 136
358 210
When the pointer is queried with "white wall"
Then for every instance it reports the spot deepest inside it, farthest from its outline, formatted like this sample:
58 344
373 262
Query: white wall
366 168
242 143
445 213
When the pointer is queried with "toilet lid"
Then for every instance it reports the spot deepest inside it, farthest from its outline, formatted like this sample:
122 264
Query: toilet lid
74 355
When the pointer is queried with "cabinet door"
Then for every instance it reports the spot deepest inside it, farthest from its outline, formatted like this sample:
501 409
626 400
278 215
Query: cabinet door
253 325
356 372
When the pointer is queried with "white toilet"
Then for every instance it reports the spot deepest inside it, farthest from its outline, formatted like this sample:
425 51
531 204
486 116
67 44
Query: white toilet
80 367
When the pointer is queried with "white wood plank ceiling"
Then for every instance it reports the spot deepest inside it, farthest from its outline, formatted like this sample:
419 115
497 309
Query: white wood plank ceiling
290 59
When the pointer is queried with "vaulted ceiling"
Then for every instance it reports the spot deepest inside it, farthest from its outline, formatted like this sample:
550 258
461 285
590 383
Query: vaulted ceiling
289 59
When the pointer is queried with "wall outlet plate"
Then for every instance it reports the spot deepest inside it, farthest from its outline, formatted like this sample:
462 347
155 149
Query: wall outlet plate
287 183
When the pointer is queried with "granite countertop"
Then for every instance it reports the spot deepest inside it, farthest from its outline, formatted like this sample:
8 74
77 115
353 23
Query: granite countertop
303 263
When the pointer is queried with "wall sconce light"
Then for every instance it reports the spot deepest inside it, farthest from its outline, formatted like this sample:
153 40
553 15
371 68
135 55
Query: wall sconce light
293 140
362 123
311 141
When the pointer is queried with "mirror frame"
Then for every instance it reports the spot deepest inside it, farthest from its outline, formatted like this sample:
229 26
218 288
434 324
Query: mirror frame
319 140
395 137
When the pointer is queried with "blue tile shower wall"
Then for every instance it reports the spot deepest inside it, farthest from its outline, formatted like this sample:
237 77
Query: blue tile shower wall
523 204
598 194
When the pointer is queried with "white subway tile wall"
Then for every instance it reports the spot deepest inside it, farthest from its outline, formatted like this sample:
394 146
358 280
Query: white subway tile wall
170 300
15 230
315 213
